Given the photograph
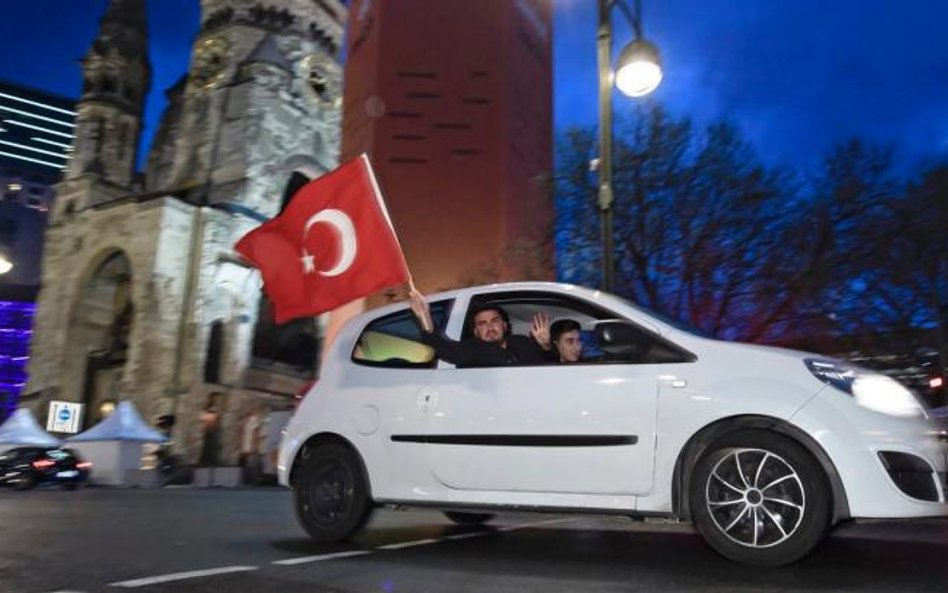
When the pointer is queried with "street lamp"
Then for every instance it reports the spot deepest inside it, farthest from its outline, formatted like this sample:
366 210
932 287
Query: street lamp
638 73
5 264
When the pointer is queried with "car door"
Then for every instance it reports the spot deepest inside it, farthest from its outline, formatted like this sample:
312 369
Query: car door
388 397
579 429
583 428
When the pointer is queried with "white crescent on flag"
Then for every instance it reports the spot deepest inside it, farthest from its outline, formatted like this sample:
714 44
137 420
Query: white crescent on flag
348 245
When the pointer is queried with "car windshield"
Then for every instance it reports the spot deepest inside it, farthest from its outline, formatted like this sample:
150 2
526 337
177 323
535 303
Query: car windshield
679 325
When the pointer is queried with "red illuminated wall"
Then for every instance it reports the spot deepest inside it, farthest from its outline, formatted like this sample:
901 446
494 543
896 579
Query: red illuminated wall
452 100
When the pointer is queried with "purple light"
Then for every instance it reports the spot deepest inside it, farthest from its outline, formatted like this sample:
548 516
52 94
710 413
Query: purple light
16 320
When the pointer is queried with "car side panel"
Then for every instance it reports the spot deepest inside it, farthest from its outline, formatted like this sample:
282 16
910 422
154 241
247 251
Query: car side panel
709 390
568 429
365 408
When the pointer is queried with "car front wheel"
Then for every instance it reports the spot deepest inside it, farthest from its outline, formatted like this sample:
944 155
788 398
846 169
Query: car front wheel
332 498
759 498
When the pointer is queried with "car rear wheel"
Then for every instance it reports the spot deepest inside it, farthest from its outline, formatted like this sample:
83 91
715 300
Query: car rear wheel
332 499
759 498
468 518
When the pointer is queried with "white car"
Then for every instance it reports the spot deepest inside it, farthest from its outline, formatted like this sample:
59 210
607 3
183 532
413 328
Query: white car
763 449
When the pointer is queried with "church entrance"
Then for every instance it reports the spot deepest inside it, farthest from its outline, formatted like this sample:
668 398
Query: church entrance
98 338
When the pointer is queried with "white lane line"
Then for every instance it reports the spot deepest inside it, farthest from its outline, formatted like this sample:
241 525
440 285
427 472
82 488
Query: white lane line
533 524
180 576
467 535
305 559
419 542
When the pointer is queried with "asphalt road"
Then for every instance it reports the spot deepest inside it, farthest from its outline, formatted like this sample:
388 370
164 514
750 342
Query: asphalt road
184 540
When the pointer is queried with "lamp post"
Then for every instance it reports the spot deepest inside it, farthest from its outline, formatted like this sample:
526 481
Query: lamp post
638 71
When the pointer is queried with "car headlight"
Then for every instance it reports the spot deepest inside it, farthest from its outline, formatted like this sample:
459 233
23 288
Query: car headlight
871 390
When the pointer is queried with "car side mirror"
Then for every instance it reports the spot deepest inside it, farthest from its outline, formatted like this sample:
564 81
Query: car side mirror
620 338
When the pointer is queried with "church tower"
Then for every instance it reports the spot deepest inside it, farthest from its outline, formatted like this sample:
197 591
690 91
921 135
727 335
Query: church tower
142 297
116 80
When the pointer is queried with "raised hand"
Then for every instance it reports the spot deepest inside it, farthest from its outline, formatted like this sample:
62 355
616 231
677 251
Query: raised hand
540 331
419 306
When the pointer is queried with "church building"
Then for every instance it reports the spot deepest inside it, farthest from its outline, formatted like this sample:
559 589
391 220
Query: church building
142 296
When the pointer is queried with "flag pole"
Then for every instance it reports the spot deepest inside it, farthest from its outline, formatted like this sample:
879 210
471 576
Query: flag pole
381 202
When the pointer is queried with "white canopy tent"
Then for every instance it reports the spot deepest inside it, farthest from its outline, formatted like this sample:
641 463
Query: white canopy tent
114 446
22 430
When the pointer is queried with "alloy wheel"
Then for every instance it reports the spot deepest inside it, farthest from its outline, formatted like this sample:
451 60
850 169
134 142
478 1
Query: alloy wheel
755 497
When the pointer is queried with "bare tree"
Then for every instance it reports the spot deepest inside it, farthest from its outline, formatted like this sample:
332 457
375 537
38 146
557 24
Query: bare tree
707 234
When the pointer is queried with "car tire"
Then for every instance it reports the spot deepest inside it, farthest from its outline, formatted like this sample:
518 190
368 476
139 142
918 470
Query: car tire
332 494
759 498
468 518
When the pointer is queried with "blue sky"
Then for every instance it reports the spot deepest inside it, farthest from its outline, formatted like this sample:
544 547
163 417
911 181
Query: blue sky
794 75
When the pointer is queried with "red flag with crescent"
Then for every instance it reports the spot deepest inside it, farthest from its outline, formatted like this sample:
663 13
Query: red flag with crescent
332 244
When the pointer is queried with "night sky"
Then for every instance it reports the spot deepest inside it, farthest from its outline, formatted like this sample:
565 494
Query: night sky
794 75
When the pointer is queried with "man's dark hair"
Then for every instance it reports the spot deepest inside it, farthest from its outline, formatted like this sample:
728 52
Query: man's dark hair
562 326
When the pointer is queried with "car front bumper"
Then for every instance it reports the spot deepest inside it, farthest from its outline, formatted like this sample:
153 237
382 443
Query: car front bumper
890 467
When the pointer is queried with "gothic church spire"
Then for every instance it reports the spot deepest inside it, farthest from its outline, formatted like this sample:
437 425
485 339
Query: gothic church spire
117 77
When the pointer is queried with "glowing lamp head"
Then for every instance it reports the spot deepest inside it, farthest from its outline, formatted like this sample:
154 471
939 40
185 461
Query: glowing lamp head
5 264
638 69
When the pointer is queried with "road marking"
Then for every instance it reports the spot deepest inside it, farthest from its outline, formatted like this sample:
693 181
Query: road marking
467 535
419 542
304 559
180 576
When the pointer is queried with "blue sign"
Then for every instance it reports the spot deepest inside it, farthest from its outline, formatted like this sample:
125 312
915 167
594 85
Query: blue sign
65 414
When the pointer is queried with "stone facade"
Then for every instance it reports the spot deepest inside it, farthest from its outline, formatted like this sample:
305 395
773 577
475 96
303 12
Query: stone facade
139 270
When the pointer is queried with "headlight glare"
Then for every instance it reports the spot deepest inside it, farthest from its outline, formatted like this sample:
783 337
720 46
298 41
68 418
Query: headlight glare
871 390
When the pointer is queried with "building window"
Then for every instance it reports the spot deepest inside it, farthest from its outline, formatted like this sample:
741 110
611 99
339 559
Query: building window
215 352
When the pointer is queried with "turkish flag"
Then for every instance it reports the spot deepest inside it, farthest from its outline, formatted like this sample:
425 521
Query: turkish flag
333 243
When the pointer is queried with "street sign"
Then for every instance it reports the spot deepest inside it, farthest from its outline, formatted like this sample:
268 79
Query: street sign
64 417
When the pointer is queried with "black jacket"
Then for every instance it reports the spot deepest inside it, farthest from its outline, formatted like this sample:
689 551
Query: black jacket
520 350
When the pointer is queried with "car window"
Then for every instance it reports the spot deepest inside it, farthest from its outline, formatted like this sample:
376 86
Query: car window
59 454
642 345
394 341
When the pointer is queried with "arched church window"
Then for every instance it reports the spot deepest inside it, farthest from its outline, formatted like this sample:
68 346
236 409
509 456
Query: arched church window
296 182
215 352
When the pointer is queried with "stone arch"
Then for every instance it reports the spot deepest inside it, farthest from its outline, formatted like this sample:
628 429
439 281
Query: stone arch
98 334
